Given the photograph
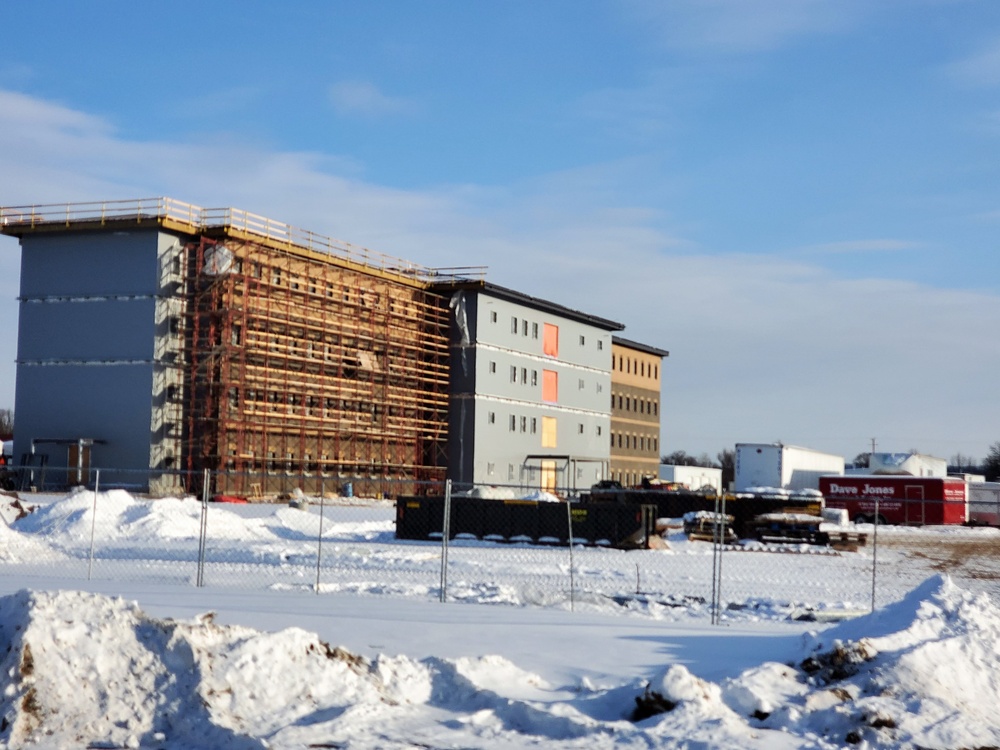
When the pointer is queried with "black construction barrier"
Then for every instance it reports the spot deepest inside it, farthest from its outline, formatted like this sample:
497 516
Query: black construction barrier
594 523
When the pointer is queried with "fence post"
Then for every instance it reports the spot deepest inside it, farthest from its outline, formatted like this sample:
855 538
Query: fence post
572 579
319 541
874 551
93 521
444 540
203 533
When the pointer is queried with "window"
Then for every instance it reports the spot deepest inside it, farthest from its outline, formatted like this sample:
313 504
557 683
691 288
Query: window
513 423
600 345
534 330
549 432
513 374
598 430
579 428
510 472
534 377
493 319
550 386
524 327
580 385
490 468
524 376
600 388
513 325
493 368
493 417
550 340
583 340
524 424
534 425
656 408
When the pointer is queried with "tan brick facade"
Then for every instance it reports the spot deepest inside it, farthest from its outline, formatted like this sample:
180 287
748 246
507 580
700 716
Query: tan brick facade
636 371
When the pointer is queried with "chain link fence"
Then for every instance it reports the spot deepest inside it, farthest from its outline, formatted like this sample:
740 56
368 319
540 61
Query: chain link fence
500 545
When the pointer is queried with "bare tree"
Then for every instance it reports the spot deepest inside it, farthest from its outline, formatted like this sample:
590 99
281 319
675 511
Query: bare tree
991 466
727 462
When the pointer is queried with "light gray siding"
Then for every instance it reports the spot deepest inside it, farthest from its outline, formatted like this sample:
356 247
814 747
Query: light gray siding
498 406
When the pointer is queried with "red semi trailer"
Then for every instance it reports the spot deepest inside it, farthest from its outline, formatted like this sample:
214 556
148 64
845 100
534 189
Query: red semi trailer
914 501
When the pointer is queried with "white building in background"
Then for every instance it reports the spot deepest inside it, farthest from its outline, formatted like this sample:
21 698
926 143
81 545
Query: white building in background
692 477
912 464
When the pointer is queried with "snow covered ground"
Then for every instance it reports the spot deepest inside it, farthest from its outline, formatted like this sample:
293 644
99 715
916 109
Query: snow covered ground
136 656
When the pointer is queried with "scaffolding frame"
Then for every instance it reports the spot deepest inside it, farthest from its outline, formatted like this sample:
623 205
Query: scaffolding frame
288 359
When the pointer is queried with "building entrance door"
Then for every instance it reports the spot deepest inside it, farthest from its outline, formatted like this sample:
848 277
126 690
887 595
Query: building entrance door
548 476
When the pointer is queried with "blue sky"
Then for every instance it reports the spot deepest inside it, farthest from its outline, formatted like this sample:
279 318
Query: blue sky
800 199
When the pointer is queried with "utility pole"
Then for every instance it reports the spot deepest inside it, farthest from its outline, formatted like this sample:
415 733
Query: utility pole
873 446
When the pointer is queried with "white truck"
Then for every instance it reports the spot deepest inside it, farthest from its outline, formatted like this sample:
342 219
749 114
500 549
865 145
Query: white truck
782 466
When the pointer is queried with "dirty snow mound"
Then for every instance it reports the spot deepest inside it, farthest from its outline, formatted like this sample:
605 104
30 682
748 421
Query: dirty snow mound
918 674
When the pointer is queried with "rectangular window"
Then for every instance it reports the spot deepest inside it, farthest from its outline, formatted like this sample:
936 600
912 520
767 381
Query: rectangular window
600 345
490 468
513 325
580 385
579 428
524 376
598 430
493 417
550 340
534 377
510 472
550 386
524 327
534 425
513 423
493 319
549 432
513 374
583 341
493 367
524 424
534 330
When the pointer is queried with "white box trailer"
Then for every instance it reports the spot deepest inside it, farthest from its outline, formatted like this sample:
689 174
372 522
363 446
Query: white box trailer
784 466
692 477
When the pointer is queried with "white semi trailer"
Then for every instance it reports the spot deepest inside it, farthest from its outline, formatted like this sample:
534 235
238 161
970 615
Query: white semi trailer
783 466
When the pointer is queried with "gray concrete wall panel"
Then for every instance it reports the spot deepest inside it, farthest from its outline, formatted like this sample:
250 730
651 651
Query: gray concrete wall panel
108 403
86 330
90 263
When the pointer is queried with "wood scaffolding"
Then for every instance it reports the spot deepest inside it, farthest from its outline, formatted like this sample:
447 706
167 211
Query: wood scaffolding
307 372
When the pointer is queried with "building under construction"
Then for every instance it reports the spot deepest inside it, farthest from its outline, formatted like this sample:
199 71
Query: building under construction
164 339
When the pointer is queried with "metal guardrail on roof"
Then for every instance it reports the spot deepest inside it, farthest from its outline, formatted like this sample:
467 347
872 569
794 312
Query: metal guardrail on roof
199 218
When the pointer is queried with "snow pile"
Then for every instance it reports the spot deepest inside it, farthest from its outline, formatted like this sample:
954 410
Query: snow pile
87 670
918 674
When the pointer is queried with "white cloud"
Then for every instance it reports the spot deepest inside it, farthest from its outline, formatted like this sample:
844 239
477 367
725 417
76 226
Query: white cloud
982 68
762 347
365 99
861 246
738 26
